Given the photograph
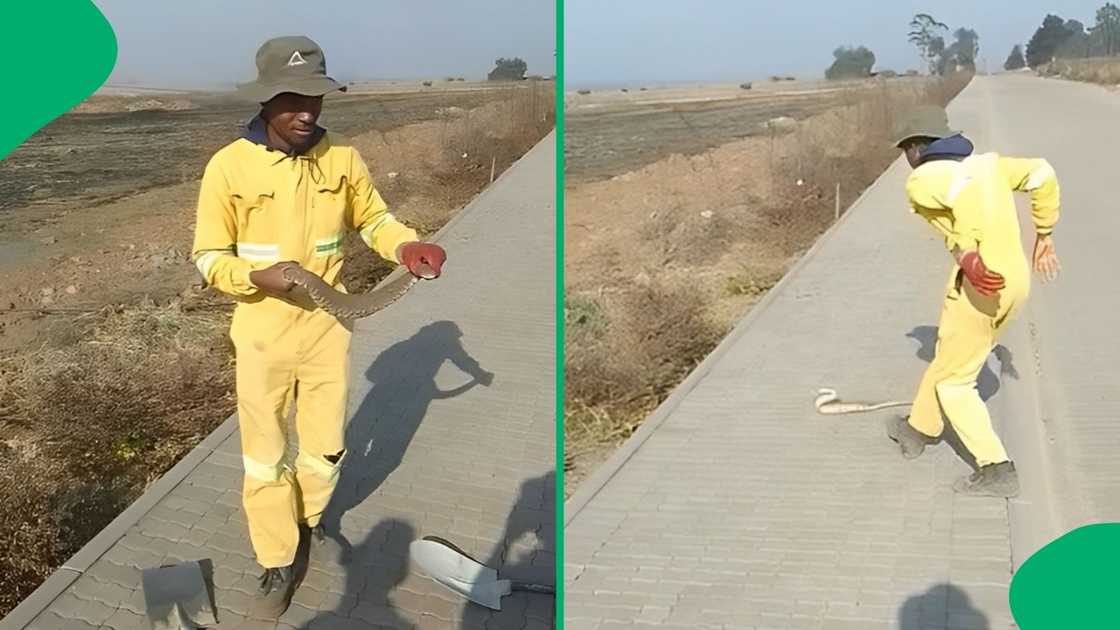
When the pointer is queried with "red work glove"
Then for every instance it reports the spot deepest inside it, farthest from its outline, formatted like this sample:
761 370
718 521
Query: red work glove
986 281
423 260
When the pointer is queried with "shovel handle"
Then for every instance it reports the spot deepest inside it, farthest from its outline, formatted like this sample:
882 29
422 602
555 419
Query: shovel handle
533 588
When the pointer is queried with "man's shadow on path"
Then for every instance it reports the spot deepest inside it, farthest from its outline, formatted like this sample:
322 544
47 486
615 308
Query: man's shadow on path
380 563
379 433
534 513
376 567
987 383
932 609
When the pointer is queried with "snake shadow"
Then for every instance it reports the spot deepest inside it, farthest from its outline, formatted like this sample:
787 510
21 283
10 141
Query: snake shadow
987 382
526 552
380 431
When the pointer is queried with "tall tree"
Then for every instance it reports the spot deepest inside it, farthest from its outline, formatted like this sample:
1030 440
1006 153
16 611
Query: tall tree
508 70
850 63
1077 44
1015 60
1046 40
961 53
925 34
967 47
1107 29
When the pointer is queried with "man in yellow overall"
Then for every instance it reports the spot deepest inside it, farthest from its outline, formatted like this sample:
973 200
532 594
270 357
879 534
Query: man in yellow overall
283 194
968 199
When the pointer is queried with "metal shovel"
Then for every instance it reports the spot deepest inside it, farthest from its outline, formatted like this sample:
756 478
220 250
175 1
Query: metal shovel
457 570
176 597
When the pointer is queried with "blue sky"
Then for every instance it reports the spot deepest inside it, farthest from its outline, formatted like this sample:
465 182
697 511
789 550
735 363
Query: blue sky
732 40
204 43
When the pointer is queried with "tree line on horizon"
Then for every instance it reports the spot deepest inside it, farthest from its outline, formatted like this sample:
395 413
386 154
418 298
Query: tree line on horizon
930 37
1060 38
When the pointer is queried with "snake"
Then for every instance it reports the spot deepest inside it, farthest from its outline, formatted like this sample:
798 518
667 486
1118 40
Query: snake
355 305
828 403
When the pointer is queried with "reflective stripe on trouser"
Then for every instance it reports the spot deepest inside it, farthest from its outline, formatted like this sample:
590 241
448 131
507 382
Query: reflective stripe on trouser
970 324
273 355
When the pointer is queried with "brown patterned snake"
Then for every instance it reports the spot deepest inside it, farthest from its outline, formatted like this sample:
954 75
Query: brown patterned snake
353 306
828 403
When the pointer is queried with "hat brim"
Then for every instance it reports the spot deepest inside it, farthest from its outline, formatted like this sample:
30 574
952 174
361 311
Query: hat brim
311 86
936 135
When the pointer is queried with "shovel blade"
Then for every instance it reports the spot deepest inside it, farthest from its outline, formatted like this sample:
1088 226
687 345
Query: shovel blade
176 597
459 572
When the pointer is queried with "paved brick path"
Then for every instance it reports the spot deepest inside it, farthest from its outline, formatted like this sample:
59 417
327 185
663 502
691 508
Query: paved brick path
736 506
431 452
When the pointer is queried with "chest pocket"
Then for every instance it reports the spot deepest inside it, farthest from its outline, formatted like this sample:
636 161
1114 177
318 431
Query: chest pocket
329 205
256 210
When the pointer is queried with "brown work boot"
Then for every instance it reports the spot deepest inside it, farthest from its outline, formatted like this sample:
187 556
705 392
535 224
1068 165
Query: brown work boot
275 593
993 480
910 440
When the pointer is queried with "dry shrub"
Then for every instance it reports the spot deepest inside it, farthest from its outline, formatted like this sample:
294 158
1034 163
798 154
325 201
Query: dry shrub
1102 70
625 354
28 535
678 236
88 426
503 130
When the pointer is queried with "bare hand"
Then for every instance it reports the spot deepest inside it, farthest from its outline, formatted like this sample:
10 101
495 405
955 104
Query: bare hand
1046 261
272 279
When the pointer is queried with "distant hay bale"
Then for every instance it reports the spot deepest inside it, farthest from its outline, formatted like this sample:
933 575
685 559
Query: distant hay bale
781 125
745 86
427 84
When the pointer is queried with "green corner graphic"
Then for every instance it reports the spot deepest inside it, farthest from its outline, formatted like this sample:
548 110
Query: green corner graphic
57 54
1071 582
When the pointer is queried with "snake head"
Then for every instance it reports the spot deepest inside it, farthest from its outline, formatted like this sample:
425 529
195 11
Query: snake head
288 270
825 395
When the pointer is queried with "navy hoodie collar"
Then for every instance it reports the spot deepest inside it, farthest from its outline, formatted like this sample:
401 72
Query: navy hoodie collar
950 148
257 133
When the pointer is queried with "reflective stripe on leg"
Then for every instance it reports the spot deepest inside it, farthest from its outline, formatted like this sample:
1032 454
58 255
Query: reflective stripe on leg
268 473
321 465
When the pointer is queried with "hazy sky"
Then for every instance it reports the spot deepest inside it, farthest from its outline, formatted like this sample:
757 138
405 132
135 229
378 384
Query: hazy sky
201 43
734 40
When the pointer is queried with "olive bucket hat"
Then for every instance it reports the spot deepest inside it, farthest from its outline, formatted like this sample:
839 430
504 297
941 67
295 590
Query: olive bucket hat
290 64
928 121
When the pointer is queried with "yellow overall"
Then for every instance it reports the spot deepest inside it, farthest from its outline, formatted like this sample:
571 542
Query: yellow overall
970 203
259 206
